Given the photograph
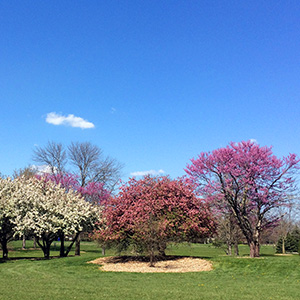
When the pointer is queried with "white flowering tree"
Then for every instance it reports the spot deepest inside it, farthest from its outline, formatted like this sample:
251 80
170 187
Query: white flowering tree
7 213
93 192
46 210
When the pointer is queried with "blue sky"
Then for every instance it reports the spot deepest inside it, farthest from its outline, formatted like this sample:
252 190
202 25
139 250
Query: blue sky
157 82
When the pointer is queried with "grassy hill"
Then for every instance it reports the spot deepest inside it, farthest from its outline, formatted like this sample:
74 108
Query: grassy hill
269 277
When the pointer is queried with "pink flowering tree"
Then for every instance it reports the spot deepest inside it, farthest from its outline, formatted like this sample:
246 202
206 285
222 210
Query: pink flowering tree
249 181
152 211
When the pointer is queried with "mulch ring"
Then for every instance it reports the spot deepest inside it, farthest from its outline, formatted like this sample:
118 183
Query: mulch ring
140 264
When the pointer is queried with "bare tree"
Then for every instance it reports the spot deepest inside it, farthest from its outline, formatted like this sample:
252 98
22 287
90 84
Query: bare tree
109 172
93 168
88 158
53 155
288 217
229 233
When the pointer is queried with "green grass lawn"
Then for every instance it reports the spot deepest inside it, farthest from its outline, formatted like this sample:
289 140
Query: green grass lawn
269 277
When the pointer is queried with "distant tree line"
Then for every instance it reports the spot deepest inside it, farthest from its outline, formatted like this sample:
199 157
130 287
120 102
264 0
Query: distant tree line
239 193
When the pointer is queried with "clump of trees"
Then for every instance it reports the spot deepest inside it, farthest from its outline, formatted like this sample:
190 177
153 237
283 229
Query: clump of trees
248 181
83 167
150 212
243 186
228 235
41 208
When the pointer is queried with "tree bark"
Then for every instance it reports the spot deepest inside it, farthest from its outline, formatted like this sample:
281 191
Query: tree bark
103 250
24 242
46 250
47 253
236 249
162 249
45 247
62 245
254 249
4 248
71 245
253 241
283 245
151 257
229 248
77 246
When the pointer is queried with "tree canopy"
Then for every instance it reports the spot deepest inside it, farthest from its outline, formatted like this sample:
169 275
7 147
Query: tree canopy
250 180
152 211
43 209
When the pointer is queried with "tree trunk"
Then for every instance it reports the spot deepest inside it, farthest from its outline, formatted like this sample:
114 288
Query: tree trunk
46 251
151 257
236 249
4 248
45 247
254 249
71 245
162 249
24 242
283 245
229 248
77 246
34 242
103 250
254 242
62 245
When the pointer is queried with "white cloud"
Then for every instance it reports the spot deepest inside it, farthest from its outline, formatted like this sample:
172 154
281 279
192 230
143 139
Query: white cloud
43 169
69 120
150 172
254 141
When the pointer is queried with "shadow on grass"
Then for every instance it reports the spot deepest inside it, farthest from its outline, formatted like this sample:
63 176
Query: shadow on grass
267 255
31 258
126 258
92 251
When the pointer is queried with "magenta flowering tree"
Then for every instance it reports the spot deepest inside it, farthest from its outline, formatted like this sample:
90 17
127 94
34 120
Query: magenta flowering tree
152 211
247 179
65 180
95 193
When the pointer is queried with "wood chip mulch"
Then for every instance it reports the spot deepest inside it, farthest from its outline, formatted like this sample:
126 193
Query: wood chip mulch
168 264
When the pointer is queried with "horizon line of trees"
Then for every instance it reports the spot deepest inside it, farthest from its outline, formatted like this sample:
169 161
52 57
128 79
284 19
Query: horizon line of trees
243 186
